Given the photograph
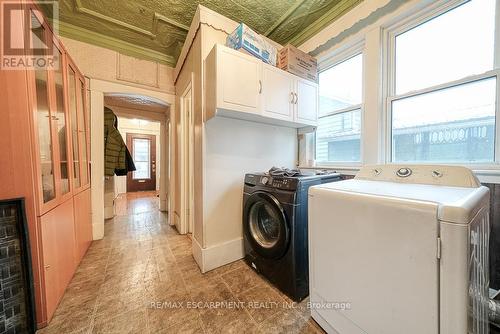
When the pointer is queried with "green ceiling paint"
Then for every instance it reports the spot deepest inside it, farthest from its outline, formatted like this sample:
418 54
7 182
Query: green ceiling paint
87 36
155 29
327 18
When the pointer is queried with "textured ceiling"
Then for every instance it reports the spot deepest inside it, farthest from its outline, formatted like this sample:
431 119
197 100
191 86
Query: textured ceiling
156 29
132 101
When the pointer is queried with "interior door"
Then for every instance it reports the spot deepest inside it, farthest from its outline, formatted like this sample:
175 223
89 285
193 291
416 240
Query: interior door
142 147
277 96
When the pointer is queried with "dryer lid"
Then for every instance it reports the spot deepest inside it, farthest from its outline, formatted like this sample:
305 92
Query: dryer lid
455 204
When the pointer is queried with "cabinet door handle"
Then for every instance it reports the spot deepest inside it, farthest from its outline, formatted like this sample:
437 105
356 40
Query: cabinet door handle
260 87
292 96
296 98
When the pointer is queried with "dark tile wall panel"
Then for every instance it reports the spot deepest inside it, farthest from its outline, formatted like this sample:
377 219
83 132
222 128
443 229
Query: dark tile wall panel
494 235
13 294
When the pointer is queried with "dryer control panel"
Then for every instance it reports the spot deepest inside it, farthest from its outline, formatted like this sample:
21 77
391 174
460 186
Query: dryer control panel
452 176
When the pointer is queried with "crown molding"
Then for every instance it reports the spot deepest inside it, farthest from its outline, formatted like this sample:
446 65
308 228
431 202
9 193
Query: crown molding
126 48
337 11
152 34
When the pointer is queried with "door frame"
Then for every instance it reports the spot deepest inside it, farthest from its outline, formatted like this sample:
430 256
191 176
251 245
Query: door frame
98 88
186 221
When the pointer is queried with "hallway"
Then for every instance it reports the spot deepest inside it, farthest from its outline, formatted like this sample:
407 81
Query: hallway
142 278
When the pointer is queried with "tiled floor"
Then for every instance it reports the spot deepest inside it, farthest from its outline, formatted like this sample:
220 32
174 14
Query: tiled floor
141 278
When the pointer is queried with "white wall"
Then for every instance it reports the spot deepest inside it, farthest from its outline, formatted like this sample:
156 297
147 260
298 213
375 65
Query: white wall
233 148
127 125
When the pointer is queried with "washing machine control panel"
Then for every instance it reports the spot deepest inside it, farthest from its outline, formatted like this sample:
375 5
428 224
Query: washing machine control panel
281 183
271 181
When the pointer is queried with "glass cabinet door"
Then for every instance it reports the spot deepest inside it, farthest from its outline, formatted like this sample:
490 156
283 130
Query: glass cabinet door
82 131
43 115
73 112
61 124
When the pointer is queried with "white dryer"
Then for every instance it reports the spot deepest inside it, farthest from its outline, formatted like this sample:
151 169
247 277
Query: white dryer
400 249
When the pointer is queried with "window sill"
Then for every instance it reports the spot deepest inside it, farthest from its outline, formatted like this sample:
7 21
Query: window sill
347 170
485 174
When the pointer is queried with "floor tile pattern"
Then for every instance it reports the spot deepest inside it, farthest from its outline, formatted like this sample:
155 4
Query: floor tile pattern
142 278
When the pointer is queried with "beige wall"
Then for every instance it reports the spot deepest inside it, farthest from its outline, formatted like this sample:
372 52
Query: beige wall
225 149
104 64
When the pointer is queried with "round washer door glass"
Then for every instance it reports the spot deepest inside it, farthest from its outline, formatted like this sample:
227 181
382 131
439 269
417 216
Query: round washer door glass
265 221
265 225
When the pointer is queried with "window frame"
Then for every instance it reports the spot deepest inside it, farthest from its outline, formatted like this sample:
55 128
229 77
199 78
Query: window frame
334 58
403 25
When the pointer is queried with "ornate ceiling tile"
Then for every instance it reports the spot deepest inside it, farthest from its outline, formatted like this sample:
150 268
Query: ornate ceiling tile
156 29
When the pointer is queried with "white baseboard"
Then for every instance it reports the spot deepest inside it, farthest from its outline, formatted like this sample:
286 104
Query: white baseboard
322 322
109 212
97 231
163 205
216 256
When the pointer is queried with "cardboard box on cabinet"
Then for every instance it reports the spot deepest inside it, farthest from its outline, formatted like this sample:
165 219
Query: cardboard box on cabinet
298 62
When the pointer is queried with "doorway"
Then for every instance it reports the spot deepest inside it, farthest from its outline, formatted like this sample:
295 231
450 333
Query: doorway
142 148
186 222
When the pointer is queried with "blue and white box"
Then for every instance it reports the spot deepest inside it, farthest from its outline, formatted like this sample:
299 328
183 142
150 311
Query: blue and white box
245 38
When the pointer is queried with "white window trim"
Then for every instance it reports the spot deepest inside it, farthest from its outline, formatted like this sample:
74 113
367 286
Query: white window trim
340 55
388 74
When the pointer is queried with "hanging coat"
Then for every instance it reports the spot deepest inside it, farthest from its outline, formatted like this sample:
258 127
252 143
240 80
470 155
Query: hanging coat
129 162
114 146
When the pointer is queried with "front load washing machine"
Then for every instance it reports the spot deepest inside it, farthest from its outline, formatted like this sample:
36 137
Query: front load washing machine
275 228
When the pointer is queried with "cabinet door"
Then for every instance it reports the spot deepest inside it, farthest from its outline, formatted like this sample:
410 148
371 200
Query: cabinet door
43 117
82 131
277 93
239 81
58 248
306 102
50 277
83 223
73 115
61 123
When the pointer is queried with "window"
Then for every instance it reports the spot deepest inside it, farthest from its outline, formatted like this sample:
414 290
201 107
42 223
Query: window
443 87
338 136
141 149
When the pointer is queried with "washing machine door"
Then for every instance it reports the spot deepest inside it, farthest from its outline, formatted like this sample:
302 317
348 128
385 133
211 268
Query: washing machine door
265 225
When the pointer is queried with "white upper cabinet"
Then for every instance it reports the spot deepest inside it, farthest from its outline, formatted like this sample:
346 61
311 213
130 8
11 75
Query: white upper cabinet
240 82
277 93
306 102
241 86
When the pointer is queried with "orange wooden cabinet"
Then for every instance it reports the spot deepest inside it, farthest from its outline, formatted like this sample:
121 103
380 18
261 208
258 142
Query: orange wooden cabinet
45 159
57 230
83 225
